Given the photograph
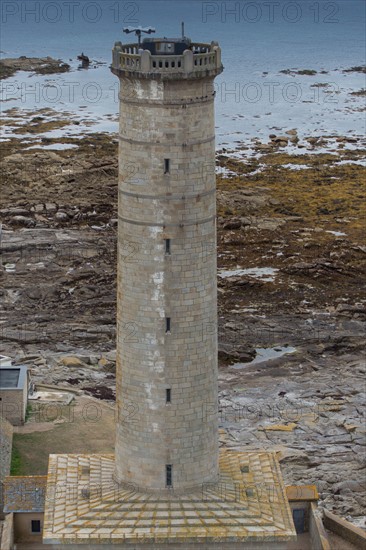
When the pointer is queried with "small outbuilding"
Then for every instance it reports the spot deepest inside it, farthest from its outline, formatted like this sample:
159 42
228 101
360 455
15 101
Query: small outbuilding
14 385
24 500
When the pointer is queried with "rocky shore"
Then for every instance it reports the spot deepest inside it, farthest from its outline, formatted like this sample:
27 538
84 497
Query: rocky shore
291 262
37 65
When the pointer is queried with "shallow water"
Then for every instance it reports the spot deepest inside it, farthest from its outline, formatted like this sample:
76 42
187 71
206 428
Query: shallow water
258 39
264 273
54 146
337 233
266 354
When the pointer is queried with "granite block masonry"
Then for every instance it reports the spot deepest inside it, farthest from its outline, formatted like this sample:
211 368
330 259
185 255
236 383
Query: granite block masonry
167 310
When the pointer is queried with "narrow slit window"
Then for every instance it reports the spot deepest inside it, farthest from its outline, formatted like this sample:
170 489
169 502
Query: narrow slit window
167 324
168 395
166 166
167 246
168 469
35 526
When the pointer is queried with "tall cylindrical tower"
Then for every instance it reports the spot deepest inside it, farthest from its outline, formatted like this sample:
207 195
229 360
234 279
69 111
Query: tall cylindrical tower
167 422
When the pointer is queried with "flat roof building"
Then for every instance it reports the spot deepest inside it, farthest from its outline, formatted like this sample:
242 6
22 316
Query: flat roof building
14 384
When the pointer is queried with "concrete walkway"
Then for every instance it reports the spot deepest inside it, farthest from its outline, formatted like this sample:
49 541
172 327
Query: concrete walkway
302 543
337 543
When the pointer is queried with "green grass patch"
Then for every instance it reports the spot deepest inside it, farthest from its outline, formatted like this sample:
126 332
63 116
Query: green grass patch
78 432
29 457
16 462
28 412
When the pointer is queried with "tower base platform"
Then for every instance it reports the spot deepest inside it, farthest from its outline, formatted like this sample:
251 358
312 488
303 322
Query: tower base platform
246 508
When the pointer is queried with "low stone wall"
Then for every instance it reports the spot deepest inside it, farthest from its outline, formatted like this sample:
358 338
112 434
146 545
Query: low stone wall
13 405
183 546
345 529
7 533
318 535
6 443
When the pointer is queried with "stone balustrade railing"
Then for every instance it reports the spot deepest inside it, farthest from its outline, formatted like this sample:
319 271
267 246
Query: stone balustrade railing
201 58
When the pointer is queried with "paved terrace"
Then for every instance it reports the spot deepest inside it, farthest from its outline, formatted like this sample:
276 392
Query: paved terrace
84 505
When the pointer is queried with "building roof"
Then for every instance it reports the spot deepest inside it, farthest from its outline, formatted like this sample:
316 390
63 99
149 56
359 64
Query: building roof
24 493
9 378
301 492
85 505
13 378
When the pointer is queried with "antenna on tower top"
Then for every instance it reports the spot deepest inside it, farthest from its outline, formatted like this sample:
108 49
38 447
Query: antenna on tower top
138 31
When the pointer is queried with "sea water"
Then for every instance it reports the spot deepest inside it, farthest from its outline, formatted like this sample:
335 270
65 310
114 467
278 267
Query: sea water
259 39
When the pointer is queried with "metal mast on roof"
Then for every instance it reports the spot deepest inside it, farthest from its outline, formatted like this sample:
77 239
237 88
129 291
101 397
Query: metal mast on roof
138 31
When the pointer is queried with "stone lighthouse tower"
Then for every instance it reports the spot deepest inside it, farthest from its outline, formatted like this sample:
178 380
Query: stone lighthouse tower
167 485
167 430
